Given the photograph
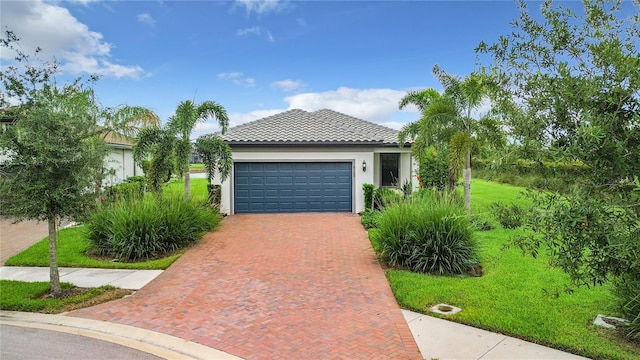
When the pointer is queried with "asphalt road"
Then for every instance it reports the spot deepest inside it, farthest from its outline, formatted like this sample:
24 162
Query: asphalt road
36 344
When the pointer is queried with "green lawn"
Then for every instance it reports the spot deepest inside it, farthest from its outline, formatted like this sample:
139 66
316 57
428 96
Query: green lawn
72 248
198 188
518 295
73 244
28 296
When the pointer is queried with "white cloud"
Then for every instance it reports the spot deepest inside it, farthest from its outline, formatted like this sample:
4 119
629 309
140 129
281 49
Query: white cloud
262 6
230 75
146 19
237 78
397 125
83 2
288 85
376 105
61 35
249 31
235 119
257 31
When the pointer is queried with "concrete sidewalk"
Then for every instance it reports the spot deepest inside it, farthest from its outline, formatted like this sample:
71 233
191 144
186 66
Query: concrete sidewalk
124 279
442 339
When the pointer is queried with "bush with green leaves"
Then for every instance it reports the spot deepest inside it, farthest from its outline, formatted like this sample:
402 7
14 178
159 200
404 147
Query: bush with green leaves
383 197
430 234
368 190
133 230
125 191
510 216
370 218
434 169
480 223
628 293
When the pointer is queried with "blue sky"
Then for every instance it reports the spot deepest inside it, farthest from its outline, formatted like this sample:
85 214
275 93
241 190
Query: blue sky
261 57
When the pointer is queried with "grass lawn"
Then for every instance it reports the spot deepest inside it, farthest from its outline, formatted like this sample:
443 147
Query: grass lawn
72 247
518 295
73 244
198 189
32 297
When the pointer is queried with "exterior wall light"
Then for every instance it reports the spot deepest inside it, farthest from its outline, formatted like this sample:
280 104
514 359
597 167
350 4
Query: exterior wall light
364 166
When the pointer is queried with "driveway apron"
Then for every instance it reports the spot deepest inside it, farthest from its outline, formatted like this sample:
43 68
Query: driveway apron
275 286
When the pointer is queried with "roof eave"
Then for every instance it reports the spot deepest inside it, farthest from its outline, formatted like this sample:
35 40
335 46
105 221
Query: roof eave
303 143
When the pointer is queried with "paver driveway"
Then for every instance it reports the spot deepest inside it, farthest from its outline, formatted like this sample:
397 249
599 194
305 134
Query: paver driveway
275 286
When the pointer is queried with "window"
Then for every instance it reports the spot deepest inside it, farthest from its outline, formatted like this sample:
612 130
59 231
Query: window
390 163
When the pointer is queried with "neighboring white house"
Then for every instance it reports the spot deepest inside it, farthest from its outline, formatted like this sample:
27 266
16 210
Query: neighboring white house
119 164
119 161
299 161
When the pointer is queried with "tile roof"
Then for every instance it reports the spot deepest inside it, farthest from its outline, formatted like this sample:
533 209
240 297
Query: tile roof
319 127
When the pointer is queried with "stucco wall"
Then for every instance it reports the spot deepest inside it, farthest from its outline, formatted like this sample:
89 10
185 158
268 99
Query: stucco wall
327 154
120 160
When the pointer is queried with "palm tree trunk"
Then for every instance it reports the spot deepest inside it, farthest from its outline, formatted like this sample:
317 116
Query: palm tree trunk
187 184
54 275
466 176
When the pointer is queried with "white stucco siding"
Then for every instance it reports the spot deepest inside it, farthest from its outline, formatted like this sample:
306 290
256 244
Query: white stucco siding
306 155
119 162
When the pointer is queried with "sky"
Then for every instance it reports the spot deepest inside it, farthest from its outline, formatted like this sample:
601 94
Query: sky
259 58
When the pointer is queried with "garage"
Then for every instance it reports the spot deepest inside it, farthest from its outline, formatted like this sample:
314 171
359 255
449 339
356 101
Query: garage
272 187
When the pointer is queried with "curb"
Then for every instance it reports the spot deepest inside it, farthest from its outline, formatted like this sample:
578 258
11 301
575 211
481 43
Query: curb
162 345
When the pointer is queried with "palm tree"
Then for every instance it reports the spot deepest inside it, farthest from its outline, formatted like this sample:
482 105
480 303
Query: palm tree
124 122
468 94
182 123
159 143
446 121
127 120
217 157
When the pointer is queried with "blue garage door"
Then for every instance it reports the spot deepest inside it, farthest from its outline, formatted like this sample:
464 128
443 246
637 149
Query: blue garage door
267 187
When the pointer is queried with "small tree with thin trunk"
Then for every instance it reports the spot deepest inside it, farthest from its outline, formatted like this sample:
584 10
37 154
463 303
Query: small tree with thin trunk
51 152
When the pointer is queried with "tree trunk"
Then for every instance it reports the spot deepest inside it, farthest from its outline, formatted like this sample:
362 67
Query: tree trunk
187 184
54 275
466 176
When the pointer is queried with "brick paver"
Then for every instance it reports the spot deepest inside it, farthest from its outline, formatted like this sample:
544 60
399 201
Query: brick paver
19 236
275 286
15 237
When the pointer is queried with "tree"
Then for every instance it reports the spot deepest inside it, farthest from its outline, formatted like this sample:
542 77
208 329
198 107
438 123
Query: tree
182 123
158 143
217 157
52 150
123 122
446 119
571 85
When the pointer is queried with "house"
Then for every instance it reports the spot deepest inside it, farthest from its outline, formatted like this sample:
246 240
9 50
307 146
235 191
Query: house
119 162
299 161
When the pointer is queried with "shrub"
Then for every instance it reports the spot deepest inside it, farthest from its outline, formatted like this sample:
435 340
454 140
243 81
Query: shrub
434 169
430 234
369 219
509 216
125 191
628 293
214 195
133 230
137 178
383 197
368 189
480 223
